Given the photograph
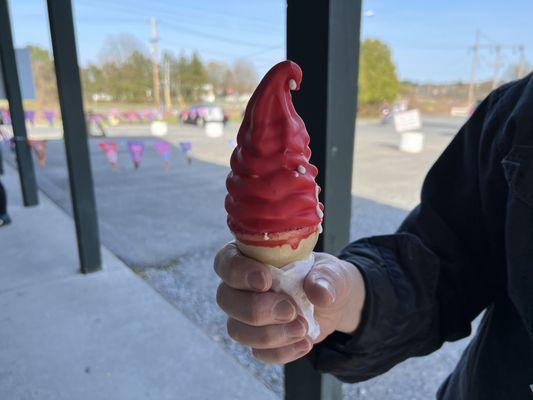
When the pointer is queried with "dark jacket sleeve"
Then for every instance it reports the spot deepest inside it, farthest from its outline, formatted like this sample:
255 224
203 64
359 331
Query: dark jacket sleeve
445 264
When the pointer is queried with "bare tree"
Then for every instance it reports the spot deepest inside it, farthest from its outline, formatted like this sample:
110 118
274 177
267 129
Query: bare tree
245 76
118 48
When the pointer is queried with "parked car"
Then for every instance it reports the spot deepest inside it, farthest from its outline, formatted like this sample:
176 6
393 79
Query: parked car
199 114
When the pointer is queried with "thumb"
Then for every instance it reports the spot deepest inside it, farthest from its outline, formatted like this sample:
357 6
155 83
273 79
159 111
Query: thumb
327 283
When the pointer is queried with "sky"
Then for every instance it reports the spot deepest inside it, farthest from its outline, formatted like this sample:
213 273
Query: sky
430 40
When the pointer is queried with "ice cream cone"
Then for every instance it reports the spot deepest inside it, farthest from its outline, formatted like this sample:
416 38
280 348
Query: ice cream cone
273 207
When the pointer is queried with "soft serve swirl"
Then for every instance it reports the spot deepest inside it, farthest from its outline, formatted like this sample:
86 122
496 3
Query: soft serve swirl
271 186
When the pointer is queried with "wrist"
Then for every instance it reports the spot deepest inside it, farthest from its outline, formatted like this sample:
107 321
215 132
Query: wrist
352 311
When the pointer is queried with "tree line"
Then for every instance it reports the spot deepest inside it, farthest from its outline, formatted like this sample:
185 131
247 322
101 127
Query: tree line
123 73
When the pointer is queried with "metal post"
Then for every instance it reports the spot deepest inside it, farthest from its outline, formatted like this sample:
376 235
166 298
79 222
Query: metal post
323 38
26 171
75 133
1 156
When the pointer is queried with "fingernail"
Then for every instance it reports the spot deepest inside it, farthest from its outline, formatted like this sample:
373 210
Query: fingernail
302 346
284 311
257 280
328 287
297 330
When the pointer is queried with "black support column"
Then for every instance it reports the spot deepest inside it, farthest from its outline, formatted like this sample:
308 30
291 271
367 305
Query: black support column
75 133
323 38
12 86
1 157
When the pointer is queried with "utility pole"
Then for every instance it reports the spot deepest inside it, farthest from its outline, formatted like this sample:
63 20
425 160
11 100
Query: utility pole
475 50
522 62
168 100
154 39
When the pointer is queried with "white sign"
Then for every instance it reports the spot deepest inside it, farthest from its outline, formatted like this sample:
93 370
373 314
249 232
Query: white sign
159 128
214 129
412 142
407 121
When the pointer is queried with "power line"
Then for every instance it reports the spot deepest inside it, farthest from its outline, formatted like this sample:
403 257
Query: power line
181 29
181 16
210 12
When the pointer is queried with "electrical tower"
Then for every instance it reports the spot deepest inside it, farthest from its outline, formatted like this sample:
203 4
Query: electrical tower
475 50
522 63
497 48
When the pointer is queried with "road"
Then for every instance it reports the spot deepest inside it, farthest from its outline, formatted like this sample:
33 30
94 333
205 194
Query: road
167 225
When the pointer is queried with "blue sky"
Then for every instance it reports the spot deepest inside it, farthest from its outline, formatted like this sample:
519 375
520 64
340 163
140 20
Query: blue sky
429 39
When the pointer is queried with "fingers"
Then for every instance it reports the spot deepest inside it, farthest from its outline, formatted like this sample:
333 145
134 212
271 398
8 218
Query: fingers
328 283
241 272
267 337
256 309
285 354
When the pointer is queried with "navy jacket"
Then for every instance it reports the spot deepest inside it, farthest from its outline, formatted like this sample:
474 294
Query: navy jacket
466 248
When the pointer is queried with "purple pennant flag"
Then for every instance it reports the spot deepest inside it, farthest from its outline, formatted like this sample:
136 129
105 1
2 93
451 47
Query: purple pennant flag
30 116
50 116
163 148
136 149
186 148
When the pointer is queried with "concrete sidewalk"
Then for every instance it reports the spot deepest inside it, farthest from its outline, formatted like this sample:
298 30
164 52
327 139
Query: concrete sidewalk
107 335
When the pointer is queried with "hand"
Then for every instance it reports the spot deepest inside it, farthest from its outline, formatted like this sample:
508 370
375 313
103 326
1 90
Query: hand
268 322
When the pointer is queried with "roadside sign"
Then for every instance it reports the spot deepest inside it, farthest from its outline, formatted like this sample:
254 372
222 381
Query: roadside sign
407 121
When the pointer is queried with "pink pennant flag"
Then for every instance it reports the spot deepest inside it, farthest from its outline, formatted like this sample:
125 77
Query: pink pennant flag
110 150
136 149
39 147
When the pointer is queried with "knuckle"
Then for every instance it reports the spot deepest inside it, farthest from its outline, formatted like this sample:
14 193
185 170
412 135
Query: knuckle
256 307
265 356
235 273
254 316
233 332
266 336
222 257
257 354
220 295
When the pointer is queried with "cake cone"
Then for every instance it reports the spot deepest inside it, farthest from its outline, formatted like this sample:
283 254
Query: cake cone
281 255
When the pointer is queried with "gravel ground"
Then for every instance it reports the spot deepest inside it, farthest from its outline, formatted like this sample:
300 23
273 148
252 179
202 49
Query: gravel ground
167 226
